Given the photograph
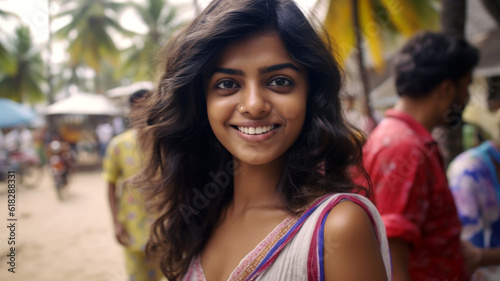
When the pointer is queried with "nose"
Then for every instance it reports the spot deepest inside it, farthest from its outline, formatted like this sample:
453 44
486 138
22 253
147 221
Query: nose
253 102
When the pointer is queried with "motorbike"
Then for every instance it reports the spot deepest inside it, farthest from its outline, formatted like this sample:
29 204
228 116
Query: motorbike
61 163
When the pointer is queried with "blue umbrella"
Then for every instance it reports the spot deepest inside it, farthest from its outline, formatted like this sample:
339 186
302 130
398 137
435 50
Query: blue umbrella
14 114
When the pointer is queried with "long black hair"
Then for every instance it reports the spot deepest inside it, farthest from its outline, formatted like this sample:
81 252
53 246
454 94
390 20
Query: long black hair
190 173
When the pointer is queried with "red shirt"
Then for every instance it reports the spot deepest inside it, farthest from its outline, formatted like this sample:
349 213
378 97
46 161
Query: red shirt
412 195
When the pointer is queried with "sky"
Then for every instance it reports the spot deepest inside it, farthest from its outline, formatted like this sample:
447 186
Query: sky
35 14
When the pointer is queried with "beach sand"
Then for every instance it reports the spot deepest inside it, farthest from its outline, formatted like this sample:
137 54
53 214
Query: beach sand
71 240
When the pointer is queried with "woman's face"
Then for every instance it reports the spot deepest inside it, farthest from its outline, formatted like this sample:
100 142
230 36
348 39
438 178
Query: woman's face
256 99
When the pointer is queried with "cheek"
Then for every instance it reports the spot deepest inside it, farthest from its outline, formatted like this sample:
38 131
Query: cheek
293 108
218 111
294 112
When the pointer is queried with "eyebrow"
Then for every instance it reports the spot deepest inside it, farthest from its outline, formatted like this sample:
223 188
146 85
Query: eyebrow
229 71
277 67
262 70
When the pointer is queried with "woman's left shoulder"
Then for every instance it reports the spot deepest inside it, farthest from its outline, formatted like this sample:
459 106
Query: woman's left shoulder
348 217
348 210
350 241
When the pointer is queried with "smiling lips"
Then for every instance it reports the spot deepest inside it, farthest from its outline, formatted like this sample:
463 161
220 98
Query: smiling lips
255 130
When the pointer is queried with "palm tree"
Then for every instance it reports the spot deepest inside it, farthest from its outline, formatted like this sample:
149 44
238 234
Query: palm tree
159 17
453 16
453 13
89 33
7 63
349 22
23 85
380 21
367 111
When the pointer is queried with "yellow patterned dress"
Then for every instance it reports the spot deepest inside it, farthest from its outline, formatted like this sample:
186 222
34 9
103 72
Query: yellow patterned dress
121 162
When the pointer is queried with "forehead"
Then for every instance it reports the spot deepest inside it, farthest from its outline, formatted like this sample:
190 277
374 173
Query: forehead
260 48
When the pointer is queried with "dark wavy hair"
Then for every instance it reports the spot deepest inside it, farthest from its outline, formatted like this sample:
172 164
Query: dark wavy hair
428 59
189 173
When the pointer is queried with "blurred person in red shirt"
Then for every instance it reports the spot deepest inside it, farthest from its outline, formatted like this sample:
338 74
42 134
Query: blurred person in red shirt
432 73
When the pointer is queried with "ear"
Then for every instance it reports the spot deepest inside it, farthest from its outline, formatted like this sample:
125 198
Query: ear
446 90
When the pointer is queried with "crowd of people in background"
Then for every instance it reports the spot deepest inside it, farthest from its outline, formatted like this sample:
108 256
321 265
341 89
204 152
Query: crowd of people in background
432 73
441 223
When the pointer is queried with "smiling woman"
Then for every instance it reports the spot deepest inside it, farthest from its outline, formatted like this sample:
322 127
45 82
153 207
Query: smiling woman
249 154
256 99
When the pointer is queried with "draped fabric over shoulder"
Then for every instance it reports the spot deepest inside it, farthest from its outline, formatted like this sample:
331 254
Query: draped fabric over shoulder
294 249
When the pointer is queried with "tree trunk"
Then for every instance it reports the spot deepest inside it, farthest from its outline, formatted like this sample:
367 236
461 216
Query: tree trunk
99 83
363 74
453 14
453 17
51 126
493 7
196 7
50 80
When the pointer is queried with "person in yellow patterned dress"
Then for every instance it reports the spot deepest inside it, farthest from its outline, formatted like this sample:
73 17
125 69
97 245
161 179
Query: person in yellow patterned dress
131 221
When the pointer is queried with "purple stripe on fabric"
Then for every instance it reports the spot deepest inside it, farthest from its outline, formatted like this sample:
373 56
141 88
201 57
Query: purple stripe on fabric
315 268
321 250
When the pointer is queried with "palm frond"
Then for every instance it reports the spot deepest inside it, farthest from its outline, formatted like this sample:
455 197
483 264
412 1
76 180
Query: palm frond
116 7
116 26
7 63
7 88
403 15
371 31
8 15
155 9
338 24
378 19
32 89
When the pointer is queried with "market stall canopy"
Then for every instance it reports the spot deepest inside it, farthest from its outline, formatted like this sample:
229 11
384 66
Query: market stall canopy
84 104
14 114
129 89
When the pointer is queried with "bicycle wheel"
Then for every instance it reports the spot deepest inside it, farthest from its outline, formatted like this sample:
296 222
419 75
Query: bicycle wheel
31 175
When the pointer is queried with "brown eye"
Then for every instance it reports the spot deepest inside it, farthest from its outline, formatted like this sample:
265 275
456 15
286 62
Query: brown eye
226 85
280 82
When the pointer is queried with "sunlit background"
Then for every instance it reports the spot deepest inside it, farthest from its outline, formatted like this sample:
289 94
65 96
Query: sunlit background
67 66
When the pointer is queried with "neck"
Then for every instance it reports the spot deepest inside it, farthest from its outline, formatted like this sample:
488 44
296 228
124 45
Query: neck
256 186
421 110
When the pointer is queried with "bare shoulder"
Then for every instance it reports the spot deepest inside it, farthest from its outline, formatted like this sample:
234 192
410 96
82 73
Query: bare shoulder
348 218
350 244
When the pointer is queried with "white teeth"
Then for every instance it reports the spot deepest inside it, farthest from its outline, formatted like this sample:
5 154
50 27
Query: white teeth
256 130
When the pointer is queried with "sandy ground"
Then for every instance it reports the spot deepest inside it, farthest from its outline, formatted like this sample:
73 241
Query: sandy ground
70 240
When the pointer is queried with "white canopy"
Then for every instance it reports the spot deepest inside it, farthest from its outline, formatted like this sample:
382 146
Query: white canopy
84 104
129 89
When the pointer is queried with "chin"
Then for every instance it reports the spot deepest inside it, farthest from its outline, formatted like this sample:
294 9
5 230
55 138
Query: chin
258 158
253 161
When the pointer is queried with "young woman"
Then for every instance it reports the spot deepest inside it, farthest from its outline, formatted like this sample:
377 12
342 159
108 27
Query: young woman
249 154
